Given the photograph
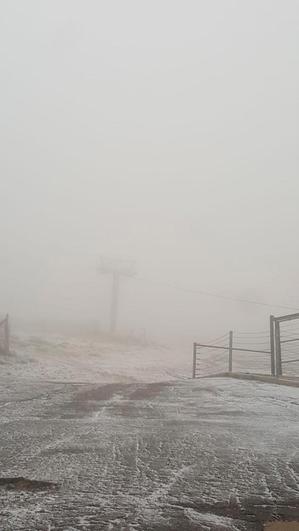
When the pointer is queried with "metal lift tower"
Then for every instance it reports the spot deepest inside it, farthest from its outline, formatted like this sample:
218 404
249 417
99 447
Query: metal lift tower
117 269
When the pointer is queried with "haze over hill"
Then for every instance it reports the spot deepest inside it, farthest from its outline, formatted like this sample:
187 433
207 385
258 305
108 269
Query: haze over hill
165 132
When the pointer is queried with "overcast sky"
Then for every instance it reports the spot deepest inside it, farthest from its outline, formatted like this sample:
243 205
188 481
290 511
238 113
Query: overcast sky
161 131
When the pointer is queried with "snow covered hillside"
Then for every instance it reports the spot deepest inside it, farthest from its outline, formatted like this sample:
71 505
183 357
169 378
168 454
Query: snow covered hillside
87 360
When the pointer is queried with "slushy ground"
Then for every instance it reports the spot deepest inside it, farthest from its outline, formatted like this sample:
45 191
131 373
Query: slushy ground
121 452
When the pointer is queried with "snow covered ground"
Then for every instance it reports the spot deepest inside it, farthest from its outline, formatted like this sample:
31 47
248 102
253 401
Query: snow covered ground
135 445
85 360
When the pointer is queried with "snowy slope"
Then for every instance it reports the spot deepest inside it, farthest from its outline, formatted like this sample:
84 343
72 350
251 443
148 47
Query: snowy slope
72 359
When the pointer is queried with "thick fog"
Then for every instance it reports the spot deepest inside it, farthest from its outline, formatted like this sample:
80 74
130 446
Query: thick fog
163 132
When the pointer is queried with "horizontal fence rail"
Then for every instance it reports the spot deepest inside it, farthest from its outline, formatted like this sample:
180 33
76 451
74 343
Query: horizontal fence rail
278 347
230 348
289 361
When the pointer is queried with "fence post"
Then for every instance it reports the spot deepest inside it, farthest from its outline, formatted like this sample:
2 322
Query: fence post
230 352
278 349
6 335
194 361
272 344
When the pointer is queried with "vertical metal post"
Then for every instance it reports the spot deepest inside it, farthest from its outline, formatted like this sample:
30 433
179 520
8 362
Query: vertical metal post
230 352
272 344
194 361
278 349
114 302
6 335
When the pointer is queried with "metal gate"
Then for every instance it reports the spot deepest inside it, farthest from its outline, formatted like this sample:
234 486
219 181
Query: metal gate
284 333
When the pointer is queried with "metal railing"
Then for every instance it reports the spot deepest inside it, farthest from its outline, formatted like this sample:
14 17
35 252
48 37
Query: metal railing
268 343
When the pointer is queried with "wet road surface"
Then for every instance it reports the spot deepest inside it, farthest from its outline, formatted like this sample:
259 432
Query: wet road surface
215 454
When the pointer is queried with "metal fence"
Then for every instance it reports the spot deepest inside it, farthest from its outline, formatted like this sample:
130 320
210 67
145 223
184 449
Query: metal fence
284 333
273 351
231 353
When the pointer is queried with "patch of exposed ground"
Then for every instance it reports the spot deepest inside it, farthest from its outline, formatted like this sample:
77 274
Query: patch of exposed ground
103 392
25 484
147 392
282 526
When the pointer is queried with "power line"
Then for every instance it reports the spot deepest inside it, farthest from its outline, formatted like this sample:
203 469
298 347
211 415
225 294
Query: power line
250 333
241 342
217 339
217 295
